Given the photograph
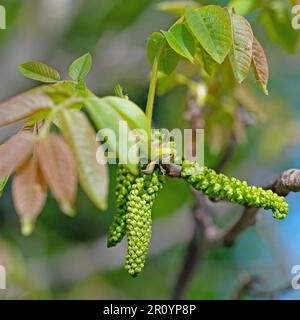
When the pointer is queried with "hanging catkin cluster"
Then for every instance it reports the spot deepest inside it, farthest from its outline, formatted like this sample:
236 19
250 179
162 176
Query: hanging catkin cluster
117 229
138 219
134 196
218 185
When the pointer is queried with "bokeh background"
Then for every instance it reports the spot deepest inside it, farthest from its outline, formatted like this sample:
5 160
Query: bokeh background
67 258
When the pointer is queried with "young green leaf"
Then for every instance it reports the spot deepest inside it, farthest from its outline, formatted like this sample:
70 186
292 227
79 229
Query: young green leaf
241 53
206 61
168 59
158 47
80 68
211 25
260 66
22 107
15 151
154 46
29 194
129 112
3 183
59 169
176 7
39 71
181 41
106 117
80 135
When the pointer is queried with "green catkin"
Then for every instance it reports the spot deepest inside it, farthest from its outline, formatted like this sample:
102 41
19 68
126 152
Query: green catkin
117 229
220 186
139 219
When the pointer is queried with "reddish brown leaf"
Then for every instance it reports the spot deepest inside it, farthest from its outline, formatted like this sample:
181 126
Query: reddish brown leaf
29 194
23 107
260 65
58 167
15 151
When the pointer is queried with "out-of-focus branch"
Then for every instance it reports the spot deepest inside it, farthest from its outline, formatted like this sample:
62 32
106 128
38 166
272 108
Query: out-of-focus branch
227 155
204 228
249 286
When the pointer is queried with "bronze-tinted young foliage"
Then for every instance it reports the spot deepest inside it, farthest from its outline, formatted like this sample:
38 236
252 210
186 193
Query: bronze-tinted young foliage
260 66
29 194
15 151
23 107
59 169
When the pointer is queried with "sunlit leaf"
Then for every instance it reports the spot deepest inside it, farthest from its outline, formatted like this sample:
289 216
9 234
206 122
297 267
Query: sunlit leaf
181 41
15 151
241 53
154 45
23 107
129 111
206 61
260 66
58 167
81 137
39 71
29 194
158 47
80 68
176 7
106 117
3 183
211 25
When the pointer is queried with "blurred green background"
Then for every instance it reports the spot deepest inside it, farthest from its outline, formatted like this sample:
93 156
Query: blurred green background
67 258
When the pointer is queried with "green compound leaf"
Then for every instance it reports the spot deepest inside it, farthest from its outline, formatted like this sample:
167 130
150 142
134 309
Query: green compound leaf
3 183
158 47
106 117
211 25
80 68
260 66
181 41
81 137
206 61
39 71
155 43
129 111
241 53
